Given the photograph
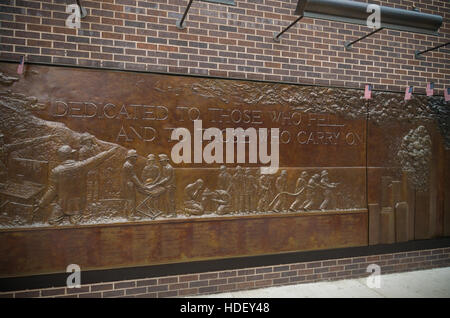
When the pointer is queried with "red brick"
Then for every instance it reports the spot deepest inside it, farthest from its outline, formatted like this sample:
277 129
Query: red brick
167 48
37 27
82 289
437 251
68 296
321 270
146 282
373 258
86 47
90 295
148 295
110 35
64 30
225 288
255 277
178 286
263 283
101 56
329 275
227 274
272 275
243 272
135 291
135 38
27 294
245 285
219 281
344 273
314 264
329 263
208 276
281 268
264 270
199 283
297 279
112 21
53 292
188 292
298 266
336 268
313 277
218 73
121 285
209 289
172 293
125 16
147 46
101 287
112 7
281 281
158 288
27 19
305 271
168 280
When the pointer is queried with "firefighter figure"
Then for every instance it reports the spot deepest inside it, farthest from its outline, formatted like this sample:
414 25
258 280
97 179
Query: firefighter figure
167 182
224 180
238 181
131 183
311 190
300 189
281 185
66 182
327 187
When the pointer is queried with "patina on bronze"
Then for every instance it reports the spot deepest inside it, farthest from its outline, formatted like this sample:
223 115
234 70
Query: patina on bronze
88 176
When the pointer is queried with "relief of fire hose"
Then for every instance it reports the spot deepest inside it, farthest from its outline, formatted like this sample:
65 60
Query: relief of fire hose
51 174
243 192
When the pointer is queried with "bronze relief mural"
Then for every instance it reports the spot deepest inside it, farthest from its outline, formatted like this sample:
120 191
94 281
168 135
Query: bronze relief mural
78 172
89 154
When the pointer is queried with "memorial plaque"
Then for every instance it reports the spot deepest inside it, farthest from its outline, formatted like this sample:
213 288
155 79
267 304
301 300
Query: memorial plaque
407 143
133 169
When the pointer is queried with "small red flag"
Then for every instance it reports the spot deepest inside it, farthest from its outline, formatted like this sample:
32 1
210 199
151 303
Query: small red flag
447 94
21 65
408 92
430 89
368 92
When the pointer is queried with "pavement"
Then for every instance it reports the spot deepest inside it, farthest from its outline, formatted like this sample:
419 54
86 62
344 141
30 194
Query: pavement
432 283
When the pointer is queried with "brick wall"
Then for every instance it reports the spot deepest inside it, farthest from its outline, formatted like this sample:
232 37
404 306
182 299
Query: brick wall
249 278
225 41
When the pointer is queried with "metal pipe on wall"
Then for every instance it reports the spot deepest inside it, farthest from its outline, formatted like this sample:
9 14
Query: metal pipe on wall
356 13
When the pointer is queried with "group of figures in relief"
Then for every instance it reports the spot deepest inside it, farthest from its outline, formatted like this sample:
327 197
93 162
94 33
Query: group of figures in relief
246 191
240 192
67 180
73 187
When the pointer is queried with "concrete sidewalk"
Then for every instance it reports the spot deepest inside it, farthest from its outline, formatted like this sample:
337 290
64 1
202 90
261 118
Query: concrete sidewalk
433 283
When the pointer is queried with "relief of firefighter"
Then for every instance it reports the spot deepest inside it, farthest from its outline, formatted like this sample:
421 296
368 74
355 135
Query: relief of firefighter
52 175
245 190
